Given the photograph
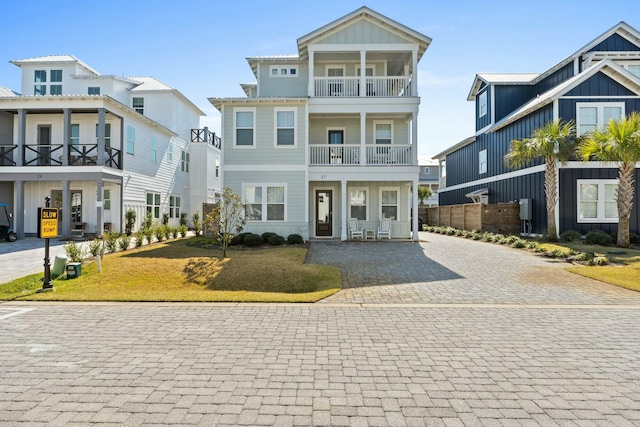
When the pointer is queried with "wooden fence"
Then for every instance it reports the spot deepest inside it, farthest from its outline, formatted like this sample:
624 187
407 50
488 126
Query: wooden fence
502 218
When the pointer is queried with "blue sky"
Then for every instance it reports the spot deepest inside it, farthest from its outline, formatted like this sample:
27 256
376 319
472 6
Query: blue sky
199 46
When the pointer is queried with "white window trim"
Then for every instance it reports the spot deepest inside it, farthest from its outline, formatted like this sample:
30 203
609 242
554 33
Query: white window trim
367 198
343 67
375 129
133 147
481 154
264 200
482 102
344 134
397 190
244 147
172 209
601 201
279 67
275 127
372 66
600 108
153 205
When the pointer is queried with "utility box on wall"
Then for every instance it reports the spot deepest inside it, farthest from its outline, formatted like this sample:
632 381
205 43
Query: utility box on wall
526 209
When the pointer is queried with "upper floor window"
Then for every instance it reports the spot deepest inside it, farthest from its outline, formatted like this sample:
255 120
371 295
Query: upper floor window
283 70
107 134
55 90
154 149
75 134
597 200
482 161
482 104
94 90
217 168
244 127
40 90
40 76
594 115
426 170
384 132
56 75
285 127
131 139
138 105
184 163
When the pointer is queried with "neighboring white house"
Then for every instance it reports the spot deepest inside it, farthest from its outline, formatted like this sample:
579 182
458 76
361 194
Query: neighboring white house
98 145
317 141
430 178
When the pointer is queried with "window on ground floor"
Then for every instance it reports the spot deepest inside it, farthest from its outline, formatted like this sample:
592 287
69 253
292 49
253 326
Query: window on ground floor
358 201
174 206
597 200
389 203
153 204
261 208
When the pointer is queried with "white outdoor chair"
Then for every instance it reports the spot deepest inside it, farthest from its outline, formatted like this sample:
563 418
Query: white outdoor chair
354 231
385 228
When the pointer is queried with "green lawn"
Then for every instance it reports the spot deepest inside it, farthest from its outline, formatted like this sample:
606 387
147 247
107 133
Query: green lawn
175 271
624 271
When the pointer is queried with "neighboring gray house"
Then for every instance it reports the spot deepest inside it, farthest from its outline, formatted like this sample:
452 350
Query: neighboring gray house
317 140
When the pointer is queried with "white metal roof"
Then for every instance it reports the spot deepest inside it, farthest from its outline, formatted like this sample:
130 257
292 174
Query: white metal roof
4 91
52 59
149 84
508 77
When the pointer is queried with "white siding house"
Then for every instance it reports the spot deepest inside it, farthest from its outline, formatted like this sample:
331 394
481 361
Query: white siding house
316 142
98 145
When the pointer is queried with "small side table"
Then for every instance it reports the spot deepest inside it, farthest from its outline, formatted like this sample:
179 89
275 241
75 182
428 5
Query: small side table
369 234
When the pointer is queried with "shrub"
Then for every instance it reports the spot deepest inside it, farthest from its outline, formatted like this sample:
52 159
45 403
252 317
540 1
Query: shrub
487 237
276 240
559 253
599 260
130 221
183 219
175 231
111 241
503 241
539 249
159 232
267 235
252 240
124 242
295 239
570 236
183 230
148 222
583 257
75 253
148 234
598 237
533 244
167 231
197 225
518 244
237 240
96 246
450 231
634 239
467 234
139 235
165 219
476 236
459 232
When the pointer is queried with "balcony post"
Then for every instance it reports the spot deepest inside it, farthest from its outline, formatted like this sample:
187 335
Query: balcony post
363 139
66 135
66 209
414 73
312 82
101 136
414 139
343 211
363 73
18 218
99 209
414 207
19 152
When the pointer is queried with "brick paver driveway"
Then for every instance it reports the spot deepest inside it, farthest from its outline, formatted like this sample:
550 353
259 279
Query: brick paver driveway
449 336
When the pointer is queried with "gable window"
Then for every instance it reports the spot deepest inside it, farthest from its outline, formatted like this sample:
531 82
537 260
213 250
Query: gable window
358 203
482 104
595 115
384 132
40 90
174 206
283 70
74 139
426 170
106 199
138 105
597 200
107 134
482 161
285 127
55 90
94 90
56 75
260 208
131 139
244 126
389 203
40 76
184 162
153 204
154 149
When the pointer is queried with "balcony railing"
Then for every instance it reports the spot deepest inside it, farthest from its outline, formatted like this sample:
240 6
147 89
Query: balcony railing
374 86
204 135
51 155
327 154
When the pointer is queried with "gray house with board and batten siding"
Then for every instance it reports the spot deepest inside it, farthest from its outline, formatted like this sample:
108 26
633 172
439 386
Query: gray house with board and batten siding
330 133
600 81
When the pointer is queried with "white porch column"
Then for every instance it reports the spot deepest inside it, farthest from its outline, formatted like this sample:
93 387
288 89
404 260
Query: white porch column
66 135
101 136
66 209
363 139
311 77
18 218
100 222
414 207
363 73
414 139
18 153
414 73
343 211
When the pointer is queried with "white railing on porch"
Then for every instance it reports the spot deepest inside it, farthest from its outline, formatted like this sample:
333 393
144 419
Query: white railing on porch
350 154
375 86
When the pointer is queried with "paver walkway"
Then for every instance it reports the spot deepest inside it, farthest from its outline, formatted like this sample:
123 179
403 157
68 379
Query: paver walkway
449 344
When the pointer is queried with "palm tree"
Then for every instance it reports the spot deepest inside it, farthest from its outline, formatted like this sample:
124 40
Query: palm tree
618 142
555 142
424 193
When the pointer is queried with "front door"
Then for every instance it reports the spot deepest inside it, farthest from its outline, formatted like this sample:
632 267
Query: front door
324 213
44 145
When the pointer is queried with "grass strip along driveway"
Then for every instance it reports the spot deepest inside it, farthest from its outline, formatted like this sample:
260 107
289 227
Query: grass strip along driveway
175 271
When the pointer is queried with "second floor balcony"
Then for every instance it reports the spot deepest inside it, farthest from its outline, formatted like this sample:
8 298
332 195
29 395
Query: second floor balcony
384 86
54 155
350 155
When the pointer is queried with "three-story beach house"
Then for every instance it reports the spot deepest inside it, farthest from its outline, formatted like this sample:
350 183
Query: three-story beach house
329 133
98 145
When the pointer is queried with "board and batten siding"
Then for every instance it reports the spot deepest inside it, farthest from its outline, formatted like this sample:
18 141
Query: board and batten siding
615 43
600 85
292 87
363 32
554 79
264 152
485 120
